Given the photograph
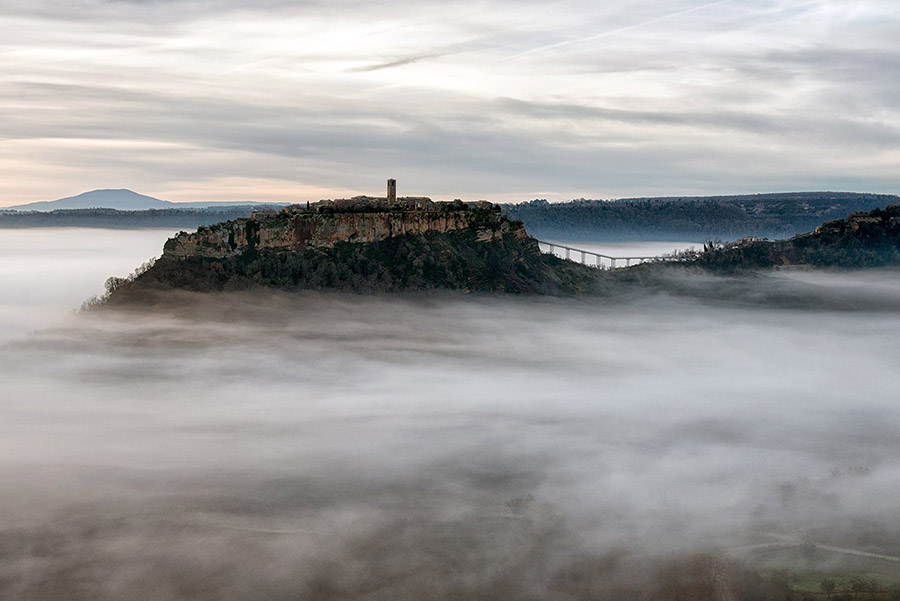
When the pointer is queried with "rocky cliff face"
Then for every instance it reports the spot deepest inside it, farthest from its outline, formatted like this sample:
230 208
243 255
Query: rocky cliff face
366 246
297 229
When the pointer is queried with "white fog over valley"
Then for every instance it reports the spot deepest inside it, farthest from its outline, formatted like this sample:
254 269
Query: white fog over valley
48 272
266 445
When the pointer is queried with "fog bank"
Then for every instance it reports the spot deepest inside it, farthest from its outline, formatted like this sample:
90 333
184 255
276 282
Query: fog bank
48 272
266 445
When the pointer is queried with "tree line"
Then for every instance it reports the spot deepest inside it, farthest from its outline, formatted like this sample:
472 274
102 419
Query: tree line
690 218
115 219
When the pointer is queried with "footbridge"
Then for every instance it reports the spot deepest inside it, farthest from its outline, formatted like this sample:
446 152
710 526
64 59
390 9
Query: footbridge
593 259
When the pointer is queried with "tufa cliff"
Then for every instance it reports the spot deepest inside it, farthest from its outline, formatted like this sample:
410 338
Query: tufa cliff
358 220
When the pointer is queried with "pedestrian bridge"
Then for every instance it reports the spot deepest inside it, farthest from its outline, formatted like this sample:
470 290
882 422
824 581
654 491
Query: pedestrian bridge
591 258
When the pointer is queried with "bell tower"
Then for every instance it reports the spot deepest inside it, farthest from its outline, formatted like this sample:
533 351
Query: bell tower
391 191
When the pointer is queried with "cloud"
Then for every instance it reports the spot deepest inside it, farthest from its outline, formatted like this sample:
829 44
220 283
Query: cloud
624 29
331 97
399 62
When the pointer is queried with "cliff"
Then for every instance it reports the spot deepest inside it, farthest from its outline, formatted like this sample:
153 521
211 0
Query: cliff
363 245
322 225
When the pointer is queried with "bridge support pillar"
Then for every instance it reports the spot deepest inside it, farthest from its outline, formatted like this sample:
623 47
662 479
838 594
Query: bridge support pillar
612 262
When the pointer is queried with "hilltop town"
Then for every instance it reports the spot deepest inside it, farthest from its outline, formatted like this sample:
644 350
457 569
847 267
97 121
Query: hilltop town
363 244
390 243
361 219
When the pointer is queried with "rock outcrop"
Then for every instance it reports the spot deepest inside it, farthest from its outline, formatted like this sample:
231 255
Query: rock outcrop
325 224
363 245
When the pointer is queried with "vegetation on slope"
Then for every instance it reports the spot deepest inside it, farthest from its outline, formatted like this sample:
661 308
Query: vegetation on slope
116 219
690 218
864 239
458 260
454 260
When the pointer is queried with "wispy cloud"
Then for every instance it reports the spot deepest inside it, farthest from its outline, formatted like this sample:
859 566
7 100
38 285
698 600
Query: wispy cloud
400 62
621 30
324 96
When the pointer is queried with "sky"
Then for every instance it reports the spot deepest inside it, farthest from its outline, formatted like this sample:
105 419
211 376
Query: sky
194 100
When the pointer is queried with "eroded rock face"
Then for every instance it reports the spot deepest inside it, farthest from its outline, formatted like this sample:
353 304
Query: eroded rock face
296 228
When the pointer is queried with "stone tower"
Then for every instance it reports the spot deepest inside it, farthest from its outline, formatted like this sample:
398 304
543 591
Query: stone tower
391 191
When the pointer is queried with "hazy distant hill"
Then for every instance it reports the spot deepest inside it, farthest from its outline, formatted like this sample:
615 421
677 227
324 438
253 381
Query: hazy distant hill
95 199
180 218
691 218
122 200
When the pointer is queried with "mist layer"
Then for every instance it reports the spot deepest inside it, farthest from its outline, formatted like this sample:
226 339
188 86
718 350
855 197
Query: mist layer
436 447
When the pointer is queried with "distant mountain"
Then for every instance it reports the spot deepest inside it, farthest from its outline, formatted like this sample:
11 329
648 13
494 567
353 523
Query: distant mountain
123 200
97 199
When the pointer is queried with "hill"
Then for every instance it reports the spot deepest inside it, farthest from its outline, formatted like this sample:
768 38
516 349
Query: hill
362 245
368 245
691 218
863 239
122 200
95 199
183 218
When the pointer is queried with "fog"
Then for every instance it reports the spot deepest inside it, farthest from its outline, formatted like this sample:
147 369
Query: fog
48 272
326 446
